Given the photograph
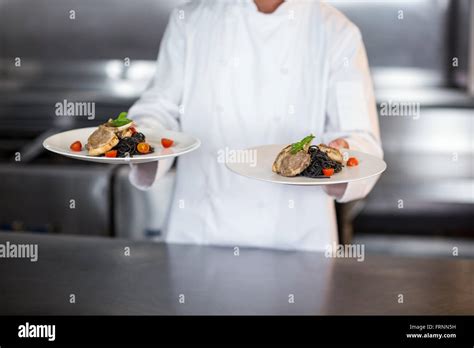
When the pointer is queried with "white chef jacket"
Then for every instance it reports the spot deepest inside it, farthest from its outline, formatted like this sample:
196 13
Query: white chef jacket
237 78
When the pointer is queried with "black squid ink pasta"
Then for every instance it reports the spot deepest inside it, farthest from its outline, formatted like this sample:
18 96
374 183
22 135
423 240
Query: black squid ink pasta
319 161
128 146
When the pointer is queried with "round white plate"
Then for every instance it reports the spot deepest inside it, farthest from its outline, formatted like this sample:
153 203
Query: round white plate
183 143
261 167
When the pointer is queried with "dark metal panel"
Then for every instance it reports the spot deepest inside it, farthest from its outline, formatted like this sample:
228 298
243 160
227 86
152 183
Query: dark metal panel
37 198
416 40
105 29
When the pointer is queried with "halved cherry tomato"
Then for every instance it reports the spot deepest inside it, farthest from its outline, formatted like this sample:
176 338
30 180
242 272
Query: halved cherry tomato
143 148
76 146
352 162
134 130
166 142
111 153
328 171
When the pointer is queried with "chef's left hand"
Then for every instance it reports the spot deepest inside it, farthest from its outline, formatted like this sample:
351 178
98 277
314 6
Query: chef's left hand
339 143
337 190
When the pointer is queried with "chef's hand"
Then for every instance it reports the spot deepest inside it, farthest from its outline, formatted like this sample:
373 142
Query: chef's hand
337 190
339 143
143 175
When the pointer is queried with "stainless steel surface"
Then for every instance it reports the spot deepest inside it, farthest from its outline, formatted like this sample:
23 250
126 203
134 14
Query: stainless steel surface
79 75
102 29
408 34
28 95
411 245
74 59
433 161
419 38
38 199
33 149
443 131
428 186
214 281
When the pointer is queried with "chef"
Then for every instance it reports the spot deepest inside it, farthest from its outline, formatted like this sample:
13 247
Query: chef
238 74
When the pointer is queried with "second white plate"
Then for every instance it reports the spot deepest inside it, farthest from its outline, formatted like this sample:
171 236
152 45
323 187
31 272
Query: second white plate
261 168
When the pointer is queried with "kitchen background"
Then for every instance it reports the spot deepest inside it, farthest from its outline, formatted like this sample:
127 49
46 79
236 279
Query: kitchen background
420 51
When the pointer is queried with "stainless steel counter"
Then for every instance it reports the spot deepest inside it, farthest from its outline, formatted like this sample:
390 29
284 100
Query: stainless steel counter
156 278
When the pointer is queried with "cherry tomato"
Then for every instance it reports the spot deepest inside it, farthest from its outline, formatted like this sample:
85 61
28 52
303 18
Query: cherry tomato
166 142
76 146
352 162
328 171
143 148
134 130
111 153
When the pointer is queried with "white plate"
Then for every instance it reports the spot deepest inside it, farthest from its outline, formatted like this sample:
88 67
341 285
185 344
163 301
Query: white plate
183 143
261 169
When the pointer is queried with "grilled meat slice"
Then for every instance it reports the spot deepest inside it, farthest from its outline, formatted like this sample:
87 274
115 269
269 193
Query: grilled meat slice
103 139
332 153
125 133
288 164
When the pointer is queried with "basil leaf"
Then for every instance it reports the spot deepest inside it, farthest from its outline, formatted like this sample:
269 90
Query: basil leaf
121 120
296 147
122 115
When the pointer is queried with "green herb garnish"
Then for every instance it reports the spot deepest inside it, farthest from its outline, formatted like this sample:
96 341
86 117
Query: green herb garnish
301 144
121 120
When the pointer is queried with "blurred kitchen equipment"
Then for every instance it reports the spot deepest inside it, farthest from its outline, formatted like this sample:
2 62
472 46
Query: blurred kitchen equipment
103 52
68 51
419 53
